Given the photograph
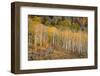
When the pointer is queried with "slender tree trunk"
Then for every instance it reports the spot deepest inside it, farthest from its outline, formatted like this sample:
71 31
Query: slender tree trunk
35 42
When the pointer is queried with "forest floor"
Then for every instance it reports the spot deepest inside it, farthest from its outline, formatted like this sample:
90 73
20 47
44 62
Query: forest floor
54 54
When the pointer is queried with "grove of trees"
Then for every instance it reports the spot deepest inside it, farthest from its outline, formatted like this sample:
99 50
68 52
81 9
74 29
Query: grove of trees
57 37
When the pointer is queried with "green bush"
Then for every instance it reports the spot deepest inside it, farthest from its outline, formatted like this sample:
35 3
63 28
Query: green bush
75 26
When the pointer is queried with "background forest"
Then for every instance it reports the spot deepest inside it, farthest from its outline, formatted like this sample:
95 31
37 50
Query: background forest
57 37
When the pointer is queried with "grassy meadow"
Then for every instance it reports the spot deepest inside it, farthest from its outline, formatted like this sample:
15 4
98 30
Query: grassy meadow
57 37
